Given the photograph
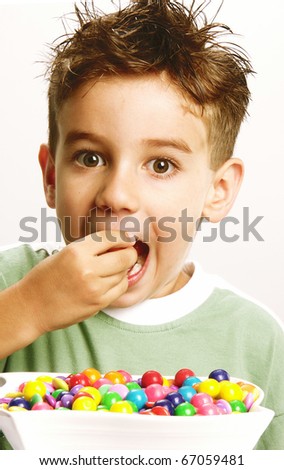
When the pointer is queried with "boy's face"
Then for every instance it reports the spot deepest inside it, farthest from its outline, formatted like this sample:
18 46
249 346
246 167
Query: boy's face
129 147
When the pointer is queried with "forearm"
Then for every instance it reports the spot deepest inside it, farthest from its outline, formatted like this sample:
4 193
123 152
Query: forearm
18 325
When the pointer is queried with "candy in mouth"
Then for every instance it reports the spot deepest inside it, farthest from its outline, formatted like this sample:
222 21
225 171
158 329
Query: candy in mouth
142 252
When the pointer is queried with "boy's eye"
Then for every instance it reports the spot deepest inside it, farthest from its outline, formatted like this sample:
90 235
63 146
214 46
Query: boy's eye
90 159
161 166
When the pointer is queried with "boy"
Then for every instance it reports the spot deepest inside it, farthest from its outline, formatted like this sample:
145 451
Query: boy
144 110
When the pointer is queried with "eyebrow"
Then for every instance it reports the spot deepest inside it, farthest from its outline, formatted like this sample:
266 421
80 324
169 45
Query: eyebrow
177 144
75 135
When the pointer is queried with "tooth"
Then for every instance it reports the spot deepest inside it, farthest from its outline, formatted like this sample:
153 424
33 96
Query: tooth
136 268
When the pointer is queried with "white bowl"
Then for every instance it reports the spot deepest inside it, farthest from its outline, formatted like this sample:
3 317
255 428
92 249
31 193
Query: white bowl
63 430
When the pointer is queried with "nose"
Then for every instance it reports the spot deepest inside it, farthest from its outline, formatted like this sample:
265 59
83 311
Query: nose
119 192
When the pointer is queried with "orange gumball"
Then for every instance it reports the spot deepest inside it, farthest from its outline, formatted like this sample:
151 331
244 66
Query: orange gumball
115 377
92 374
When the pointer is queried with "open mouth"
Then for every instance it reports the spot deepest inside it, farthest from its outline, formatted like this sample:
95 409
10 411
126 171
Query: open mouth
142 252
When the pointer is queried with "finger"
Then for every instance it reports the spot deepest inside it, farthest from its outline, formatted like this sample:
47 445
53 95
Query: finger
115 292
101 242
116 261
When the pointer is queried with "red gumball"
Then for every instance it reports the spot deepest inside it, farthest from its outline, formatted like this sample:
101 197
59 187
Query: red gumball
75 379
151 377
181 375
160 410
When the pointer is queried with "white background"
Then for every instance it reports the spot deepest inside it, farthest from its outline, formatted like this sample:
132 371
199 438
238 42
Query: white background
253 266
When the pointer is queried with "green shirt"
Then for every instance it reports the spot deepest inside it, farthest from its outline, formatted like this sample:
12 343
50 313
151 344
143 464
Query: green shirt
220 329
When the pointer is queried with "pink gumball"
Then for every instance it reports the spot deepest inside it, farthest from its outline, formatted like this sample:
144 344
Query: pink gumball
209 409
200 399
102 381
155 392
42 406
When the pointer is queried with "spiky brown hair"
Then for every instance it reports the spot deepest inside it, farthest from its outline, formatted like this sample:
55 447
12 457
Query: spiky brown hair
150 37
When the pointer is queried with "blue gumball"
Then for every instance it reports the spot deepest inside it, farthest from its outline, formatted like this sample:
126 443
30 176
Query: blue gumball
219 375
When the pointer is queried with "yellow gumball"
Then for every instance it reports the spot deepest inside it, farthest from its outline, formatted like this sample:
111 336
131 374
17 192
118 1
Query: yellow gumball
210 386
84 404
33 387
94 392
230 391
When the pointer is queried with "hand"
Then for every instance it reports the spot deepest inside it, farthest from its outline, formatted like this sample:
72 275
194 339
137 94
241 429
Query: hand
75 283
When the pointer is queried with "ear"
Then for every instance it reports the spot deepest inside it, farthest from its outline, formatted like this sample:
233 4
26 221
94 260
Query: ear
47 164
223 190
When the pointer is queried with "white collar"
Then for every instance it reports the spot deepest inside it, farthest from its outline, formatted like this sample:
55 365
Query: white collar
171 307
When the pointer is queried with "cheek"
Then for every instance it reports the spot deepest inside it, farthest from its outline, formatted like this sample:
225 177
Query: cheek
72 209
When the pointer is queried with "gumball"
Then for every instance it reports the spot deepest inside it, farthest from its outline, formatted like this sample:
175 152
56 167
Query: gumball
209 409
14 394
151 377
224 406
219 375
155 392
230 391
122 406
4 406
16 408
134 407
175 398
166 404
102 381
201 399
67 400
32 387
126 375
249 388
187 392
93 392
36 398
42 407
49 387
84 404
145 412
21 387
138 397
76 379
92 374
191 381
238 406
185 409
209 386
57 382
249 401
160 410
104 388
110 398
119 388
133 386
20 401
5 401
56 394
45 378
102 408
181 375
50 400
81 394
75 389
115 377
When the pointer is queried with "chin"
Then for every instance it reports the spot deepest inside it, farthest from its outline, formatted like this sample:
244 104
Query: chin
129 299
